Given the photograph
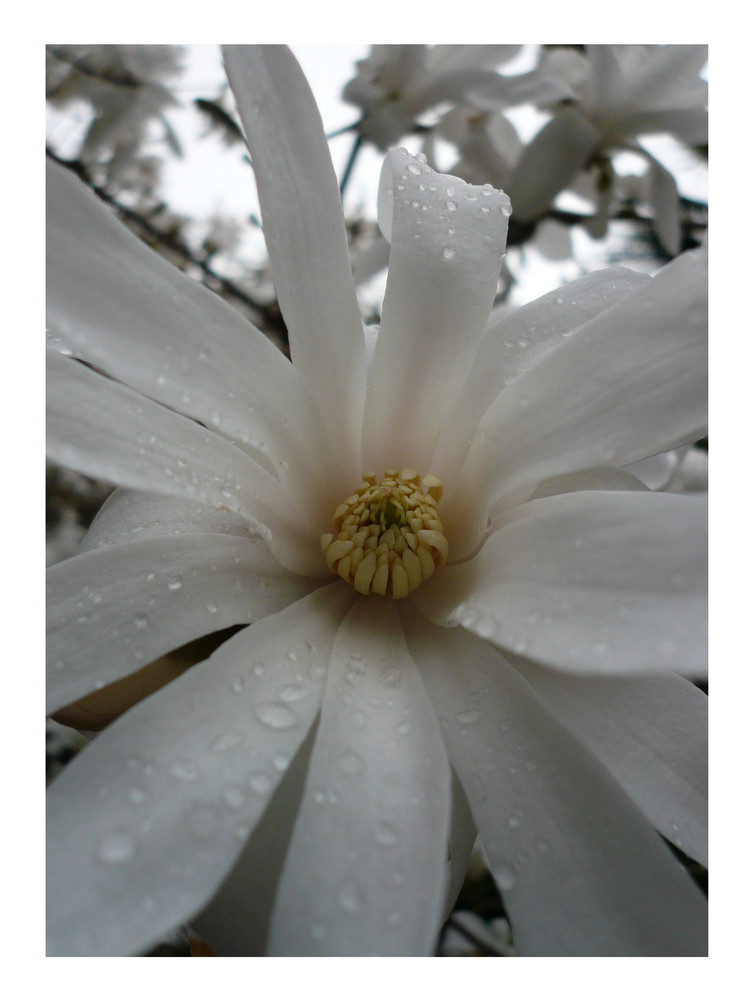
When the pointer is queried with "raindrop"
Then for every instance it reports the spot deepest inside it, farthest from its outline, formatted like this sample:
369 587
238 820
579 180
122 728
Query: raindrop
351 898
275 715
449 253
136 795
466 718
233 795
231 738
358 719
141 620
280 761
258 669
185 770
386 834
211 608
413 168
174 582
351 763
293 692
237 684
116 847
505 876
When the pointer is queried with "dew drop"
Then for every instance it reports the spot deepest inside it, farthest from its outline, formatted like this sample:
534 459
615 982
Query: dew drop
468 716
386 834
185 770
275 715
358 719
505 876
231 738
351 763
350 896
233 795
116 847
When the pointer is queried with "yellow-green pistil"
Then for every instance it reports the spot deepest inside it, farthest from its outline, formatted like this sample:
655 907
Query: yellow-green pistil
388 536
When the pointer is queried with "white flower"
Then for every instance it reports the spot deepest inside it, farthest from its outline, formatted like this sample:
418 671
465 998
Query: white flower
396 84
297 790
622 92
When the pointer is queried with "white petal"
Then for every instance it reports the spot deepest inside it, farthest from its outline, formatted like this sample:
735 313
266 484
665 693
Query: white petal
550 162
517 342
447 240
461 840
108 431
580 869
236 922
439 58
651 733
112 610
303 224
587 582
132 315
131 516
665 199
630 383
365 870
147 821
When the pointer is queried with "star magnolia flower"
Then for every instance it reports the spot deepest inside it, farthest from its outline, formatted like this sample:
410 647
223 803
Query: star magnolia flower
464 616
396 84
622 92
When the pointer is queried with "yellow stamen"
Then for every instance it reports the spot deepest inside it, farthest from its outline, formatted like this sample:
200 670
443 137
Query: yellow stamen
388 537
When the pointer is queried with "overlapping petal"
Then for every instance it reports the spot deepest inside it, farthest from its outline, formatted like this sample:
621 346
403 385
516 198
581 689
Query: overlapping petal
651 733
112 610
562 838
587 582
363 876
630 383
107 430
447 240
514 344
131 314
303 224
145 824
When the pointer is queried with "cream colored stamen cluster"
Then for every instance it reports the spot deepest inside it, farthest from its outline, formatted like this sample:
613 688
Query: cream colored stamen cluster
389 538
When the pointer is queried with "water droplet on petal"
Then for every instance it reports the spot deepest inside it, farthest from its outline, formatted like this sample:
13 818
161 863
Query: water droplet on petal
467 717
351 763
505 876
116 847
276 715
386 834
350 897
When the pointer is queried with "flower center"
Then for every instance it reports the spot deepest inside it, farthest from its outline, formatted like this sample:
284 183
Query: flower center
388 533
